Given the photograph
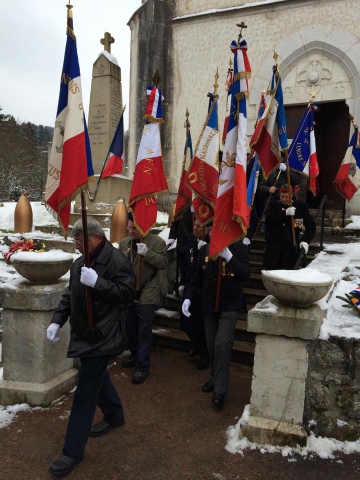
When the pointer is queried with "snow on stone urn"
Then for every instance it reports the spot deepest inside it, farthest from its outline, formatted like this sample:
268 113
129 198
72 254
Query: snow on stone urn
297 288
42 268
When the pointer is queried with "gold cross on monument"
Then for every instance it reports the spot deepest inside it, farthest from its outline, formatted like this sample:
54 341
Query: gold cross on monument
107 41
241 26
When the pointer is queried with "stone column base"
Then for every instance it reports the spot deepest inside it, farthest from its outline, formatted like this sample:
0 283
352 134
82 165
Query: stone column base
37 394
271 432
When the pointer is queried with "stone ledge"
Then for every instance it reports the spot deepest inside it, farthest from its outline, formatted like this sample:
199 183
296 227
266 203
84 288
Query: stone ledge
273 318
37 394
33 297
270 432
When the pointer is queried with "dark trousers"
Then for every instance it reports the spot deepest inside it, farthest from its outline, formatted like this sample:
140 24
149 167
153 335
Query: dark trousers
138 328
195 329
94 387
220 334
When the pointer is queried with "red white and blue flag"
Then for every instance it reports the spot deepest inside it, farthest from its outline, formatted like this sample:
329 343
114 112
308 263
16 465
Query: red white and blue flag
270 135
347 180
229 81
183 199
116 156
149 176
302 152
70 162
231 216
262 108
203 173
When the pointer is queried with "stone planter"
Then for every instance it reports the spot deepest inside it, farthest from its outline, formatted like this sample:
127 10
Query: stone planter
42 268
297 288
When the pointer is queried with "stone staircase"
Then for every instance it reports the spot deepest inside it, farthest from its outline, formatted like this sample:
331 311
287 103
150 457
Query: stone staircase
166 332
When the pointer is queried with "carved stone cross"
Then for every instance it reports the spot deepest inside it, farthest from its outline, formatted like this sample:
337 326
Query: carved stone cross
107 41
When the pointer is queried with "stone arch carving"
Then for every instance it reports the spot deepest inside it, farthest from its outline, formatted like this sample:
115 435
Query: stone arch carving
337 44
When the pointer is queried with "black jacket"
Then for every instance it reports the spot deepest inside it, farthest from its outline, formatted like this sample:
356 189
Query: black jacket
180 229
236 271
114 290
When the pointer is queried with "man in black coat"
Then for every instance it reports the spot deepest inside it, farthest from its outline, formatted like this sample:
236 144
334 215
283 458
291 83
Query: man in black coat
219 326
194 326
112 283
179 230
280 252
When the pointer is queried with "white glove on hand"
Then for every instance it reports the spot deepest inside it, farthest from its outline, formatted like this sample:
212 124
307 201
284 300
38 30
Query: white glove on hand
201 243
290 211
142 249
305 246
52 331
185 307
88 276
226 254
282 167
246 241
170 241
181 290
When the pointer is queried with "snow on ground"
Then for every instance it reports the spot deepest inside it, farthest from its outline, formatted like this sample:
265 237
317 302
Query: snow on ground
41 216
323 447
355 222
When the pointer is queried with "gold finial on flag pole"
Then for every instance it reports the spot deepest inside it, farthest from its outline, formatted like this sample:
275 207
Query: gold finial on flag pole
187 115
216 85
241 26
156 78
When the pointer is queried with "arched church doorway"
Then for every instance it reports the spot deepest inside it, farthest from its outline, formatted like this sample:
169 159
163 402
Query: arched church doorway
332 130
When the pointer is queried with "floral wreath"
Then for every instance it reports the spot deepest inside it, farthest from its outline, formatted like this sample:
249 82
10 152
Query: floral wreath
352 300
24 245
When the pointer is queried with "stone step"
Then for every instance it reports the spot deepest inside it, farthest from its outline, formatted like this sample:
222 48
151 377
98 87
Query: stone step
242 352
171 319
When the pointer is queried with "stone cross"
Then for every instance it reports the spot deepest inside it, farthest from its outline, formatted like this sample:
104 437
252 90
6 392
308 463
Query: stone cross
107 41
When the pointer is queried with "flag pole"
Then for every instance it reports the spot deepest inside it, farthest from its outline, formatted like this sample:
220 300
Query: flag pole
90 329
93 194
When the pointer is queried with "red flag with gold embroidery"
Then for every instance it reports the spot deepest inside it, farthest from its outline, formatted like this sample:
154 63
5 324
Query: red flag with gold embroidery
149 176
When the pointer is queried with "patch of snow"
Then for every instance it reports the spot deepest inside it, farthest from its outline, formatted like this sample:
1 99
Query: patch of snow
323 447
41 216
8 413
306 275
355 222
39 257
267 304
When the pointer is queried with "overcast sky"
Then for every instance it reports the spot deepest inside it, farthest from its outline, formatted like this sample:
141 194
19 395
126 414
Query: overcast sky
32 46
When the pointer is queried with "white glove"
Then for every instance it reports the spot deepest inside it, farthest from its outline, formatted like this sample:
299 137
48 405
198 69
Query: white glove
88 276
282 167
246 241
181 290
142 249
185 307
290 211
52 331
305 246
226 254
201 243
170 241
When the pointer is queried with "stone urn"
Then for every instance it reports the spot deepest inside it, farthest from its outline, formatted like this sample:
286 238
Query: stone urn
42 268
297 288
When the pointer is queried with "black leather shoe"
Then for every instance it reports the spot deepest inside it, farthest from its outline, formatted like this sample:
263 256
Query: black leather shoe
208 387
193 352
139 377
128 362
218 399
103 427
64 465
202 364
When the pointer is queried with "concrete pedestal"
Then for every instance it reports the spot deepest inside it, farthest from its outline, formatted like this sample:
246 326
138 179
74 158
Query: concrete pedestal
280 371
36 371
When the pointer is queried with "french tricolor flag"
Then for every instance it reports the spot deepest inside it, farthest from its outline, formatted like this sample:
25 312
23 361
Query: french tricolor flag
347 180
270 136
149 176
302 151
231 216
70 161
115 158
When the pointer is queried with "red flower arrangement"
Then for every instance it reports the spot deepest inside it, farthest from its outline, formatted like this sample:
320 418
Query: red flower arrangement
24 245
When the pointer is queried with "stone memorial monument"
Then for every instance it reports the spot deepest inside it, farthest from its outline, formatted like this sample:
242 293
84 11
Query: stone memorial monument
104 115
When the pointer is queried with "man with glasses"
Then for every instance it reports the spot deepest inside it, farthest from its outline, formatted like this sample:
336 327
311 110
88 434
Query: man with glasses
112 284
139 317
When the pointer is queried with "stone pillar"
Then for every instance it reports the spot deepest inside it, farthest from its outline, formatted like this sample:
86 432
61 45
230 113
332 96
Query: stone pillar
280 371
36 371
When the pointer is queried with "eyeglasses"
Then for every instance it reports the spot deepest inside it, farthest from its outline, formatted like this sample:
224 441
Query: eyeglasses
78 241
